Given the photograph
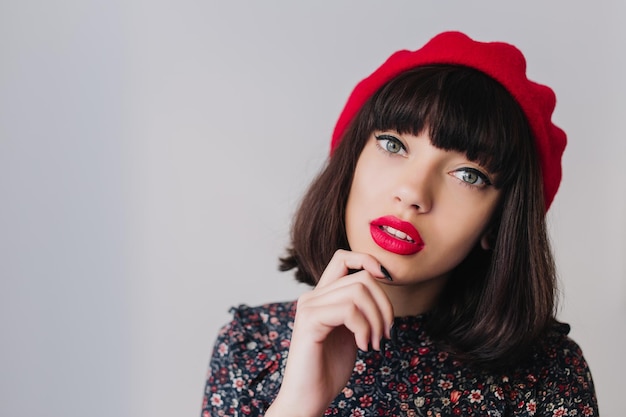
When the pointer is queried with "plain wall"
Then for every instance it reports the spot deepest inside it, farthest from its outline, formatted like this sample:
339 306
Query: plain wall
152 153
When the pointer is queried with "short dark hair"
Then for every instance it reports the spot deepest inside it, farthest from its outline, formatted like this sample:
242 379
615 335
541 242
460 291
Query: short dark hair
498 302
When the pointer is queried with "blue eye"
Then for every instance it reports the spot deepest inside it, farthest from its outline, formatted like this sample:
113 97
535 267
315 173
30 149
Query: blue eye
391 144
472 176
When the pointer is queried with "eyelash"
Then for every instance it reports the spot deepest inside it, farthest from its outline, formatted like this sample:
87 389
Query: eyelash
389 139
481 176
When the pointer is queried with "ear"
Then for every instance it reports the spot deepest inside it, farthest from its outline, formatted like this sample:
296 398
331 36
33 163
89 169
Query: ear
487 241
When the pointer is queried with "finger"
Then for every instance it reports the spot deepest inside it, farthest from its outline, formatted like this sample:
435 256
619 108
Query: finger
319 321
343 261
367 297
375 291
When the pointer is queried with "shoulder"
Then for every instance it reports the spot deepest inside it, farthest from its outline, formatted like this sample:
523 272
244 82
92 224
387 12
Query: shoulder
560 356
559 375
272 316
263 324
248 356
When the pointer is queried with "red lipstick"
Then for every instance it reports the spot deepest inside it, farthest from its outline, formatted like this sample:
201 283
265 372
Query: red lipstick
395 235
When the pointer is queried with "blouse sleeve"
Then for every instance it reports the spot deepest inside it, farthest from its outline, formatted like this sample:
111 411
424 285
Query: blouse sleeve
241 361
566 387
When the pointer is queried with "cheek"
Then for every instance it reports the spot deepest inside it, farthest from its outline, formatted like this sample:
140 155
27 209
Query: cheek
467 225
363 185
360 206
371 175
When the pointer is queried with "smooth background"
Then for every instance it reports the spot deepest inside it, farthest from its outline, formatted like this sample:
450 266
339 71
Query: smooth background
152 152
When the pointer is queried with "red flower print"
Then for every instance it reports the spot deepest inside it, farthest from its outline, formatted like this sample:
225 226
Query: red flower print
238 383
357 412
560 412
498 393
366 401
587 411
476 396
222 349
445 384
413 379
216 400
359 366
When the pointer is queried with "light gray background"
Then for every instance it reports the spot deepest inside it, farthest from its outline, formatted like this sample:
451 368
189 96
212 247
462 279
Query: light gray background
152 152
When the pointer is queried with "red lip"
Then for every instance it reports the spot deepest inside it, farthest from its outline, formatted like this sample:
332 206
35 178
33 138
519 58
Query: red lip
393 243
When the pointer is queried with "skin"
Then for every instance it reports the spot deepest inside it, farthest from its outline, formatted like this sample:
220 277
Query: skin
447 198
444 195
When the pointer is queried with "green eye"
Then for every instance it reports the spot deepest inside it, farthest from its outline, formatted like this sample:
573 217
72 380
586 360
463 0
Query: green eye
472 176
391 144
393 147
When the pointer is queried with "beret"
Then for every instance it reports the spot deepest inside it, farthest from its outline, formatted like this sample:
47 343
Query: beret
501 61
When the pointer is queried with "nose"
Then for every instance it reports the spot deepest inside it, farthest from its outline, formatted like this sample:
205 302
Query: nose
415 189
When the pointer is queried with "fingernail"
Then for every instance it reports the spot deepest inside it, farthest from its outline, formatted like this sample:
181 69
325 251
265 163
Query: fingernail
386 273
394 335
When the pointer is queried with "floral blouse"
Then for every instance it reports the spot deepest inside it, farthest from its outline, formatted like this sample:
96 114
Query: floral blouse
410 378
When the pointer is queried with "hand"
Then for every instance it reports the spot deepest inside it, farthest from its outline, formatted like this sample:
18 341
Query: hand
342 313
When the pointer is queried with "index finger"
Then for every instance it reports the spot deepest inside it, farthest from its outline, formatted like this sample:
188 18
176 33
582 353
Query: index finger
343 261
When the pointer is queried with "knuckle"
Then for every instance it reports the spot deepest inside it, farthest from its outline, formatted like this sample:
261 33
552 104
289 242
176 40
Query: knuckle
352 311
360 289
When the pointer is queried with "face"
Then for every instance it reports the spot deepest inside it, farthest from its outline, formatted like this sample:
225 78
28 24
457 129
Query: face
417 209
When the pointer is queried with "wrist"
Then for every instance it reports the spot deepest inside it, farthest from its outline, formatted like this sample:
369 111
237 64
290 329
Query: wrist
282 409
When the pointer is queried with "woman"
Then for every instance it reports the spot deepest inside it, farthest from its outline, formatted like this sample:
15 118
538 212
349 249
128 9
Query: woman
424 238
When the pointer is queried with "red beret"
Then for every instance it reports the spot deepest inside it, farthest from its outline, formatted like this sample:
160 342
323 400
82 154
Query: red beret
502 62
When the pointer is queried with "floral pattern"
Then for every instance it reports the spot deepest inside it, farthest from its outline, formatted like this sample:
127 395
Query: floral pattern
411 377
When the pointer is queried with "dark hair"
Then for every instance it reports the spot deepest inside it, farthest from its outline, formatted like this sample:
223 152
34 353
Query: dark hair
496 303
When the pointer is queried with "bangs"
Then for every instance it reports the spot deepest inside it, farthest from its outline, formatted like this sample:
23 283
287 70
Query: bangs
462 110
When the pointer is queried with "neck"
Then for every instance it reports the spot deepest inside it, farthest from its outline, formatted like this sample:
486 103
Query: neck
413 299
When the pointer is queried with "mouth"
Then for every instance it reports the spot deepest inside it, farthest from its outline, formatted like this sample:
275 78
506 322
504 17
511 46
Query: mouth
396 236
397 233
